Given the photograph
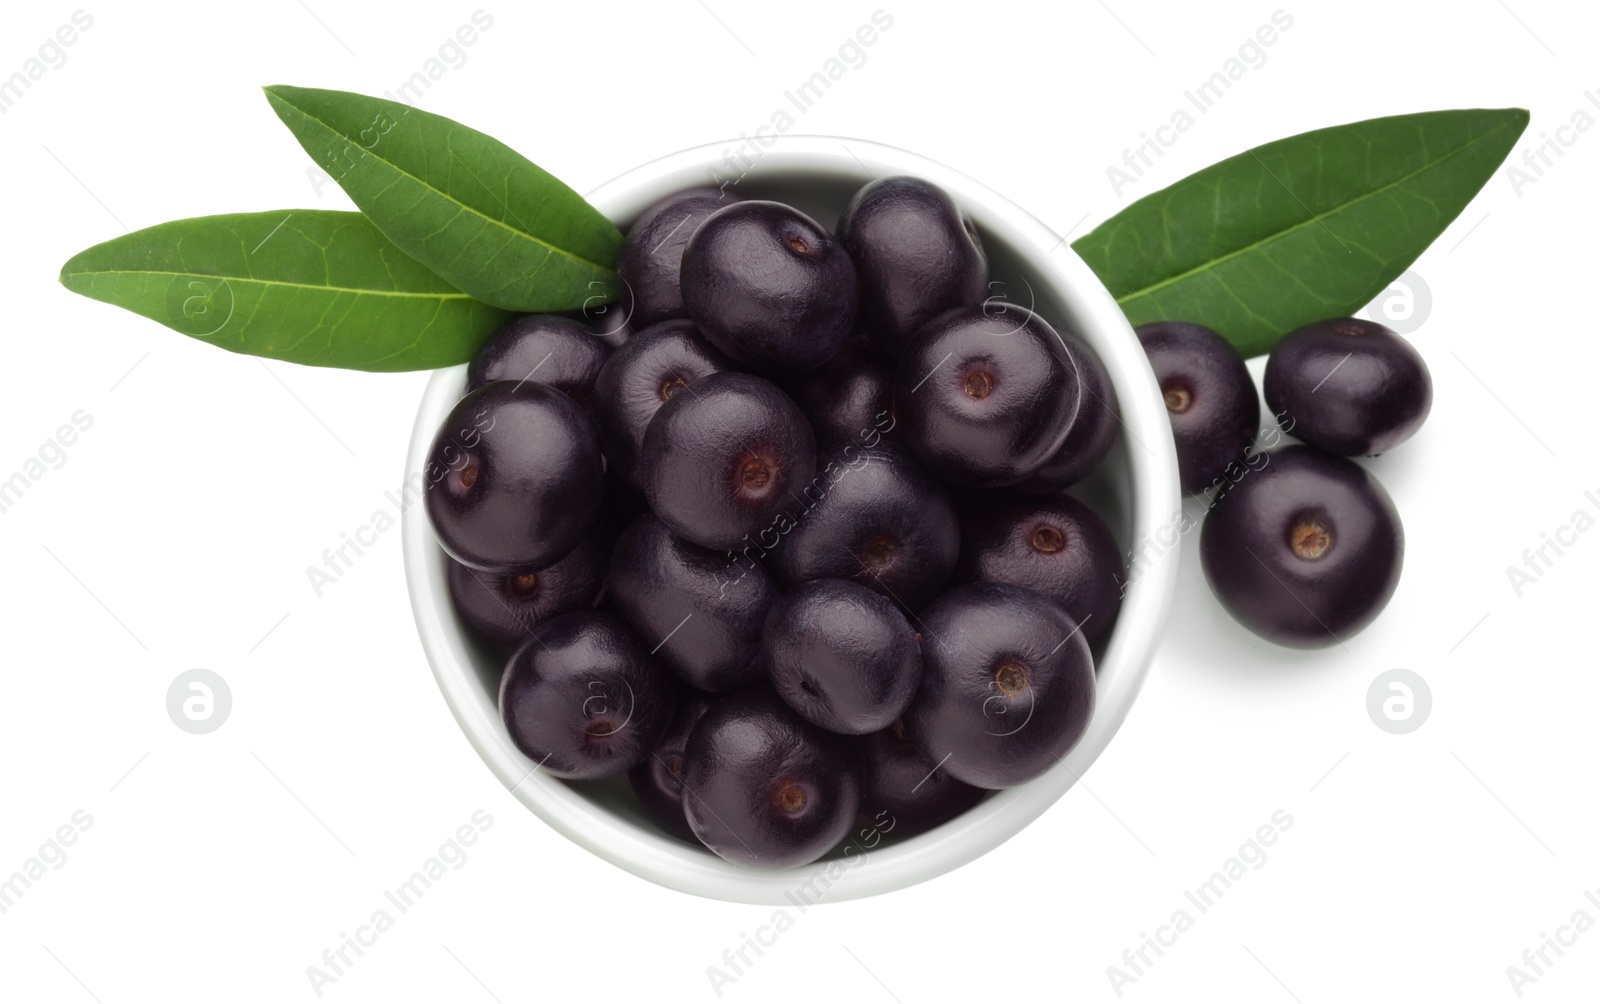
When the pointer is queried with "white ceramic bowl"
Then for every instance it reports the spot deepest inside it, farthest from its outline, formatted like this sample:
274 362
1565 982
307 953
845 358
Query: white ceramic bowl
1136 490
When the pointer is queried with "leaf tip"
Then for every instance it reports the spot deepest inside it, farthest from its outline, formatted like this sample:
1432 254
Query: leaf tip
277 93
1516 118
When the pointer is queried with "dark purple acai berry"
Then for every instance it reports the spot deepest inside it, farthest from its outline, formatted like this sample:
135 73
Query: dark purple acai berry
700 609
850 398
917 254
764 787
514 477
658 780
902 791
584 698
723 460
1210 398
505 609
542 348
651 258
1305 550
842 656
1007 684
1052 544
1348 386
768 286
985 395
639 378
872 516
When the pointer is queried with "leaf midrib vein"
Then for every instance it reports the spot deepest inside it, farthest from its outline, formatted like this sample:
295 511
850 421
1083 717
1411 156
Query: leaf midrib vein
359 291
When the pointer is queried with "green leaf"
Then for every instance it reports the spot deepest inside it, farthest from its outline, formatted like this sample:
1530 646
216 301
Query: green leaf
307 286
1299 230
466 205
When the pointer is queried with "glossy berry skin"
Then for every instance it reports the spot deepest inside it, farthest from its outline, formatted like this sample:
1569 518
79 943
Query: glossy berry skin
850 398
764 787
904 792
1052 544
1091 425
768 286
702 608
718 464
651 258
611 322
1348 386
842 656
541 348
658 779
874 517
1210 397
985 395
585 698
639 378
1305 550
506 609
917 255
514 478
1007 684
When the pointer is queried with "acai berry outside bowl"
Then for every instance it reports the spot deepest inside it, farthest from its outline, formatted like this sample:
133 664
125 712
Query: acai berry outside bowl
1135 490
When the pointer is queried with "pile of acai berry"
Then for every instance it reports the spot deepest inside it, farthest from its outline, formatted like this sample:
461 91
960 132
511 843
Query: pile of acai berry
782 534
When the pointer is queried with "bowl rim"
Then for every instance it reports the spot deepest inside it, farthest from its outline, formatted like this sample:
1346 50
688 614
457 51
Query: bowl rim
1153 498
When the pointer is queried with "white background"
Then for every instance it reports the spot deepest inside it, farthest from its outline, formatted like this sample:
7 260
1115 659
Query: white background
178 533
